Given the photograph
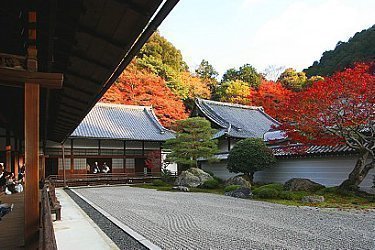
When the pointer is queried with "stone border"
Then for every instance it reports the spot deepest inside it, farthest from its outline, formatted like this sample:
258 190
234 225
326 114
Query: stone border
141 239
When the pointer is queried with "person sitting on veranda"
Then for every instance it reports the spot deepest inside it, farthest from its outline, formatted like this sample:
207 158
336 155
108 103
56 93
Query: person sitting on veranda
5 208
96 168
105 168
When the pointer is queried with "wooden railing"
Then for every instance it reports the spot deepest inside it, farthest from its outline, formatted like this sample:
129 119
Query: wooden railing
101 179
47 239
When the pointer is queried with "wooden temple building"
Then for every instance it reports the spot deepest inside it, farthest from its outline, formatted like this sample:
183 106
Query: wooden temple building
57 59
123 137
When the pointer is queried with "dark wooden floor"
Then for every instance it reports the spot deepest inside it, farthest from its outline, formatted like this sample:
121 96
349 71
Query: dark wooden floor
12 224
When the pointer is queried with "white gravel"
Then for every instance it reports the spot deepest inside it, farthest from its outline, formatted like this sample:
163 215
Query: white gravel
174 220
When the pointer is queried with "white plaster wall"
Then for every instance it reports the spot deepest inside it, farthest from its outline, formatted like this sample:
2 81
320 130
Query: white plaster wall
329 171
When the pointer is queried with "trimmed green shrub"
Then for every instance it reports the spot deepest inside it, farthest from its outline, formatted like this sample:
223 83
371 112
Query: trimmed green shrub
267 193
231 188
210 184
289 195
158 183
277 186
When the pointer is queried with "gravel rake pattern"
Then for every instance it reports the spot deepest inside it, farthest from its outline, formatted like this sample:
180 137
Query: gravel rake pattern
174 220
116 234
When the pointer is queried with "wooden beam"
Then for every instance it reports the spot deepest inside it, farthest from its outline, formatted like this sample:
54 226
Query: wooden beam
17 78
32 100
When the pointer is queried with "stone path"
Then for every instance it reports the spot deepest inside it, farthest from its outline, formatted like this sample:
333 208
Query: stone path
174 220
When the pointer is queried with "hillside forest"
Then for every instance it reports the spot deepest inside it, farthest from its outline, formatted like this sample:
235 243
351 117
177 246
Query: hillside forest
159 76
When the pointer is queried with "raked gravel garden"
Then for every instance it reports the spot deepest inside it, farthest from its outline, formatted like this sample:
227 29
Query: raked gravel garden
181 220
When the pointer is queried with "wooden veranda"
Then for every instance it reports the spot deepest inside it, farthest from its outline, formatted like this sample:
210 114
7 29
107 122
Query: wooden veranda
57 58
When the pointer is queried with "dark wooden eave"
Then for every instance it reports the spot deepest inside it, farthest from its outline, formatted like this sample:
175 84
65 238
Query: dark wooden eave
89 41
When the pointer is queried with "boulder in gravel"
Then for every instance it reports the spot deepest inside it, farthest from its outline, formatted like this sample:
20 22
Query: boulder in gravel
193 177
238 180
299 184
181 188
242 192
313 199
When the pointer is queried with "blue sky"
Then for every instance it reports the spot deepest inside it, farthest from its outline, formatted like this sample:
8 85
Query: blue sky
290 33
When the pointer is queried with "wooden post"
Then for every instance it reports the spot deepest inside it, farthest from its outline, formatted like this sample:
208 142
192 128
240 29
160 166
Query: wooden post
32 100
71 157
8 158
63 163
124 160
16 164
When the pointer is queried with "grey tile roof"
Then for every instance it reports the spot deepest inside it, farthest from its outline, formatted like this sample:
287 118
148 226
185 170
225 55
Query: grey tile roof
236 120
126 122
306 150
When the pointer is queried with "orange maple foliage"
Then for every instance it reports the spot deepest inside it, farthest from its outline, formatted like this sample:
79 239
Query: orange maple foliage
139 87
337 110
271 96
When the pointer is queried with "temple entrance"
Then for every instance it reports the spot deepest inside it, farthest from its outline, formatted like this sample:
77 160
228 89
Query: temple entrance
140 166
51 167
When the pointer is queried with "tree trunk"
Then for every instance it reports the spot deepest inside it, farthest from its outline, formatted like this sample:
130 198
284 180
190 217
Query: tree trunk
249 177
359 172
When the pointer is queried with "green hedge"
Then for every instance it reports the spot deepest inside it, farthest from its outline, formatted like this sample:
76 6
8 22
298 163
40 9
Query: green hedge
231 188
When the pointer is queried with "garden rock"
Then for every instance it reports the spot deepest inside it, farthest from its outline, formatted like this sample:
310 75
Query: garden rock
238 180
313 199
242 192
181 188
193 177
299 184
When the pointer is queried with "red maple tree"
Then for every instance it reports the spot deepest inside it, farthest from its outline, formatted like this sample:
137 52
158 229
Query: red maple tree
271 96
140 87
338 110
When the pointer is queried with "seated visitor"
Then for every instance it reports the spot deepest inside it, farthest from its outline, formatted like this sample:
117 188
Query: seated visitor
96 168
105 168
5 208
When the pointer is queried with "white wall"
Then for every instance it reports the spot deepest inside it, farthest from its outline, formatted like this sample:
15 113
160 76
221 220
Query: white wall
329 171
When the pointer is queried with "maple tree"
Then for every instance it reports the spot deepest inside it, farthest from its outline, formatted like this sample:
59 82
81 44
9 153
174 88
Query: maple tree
271 96
338 110
140 87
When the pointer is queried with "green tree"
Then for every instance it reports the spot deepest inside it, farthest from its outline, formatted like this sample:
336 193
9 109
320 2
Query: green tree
193 140
293 80
236 92
250 155
359 48
160 54
245 73
207 73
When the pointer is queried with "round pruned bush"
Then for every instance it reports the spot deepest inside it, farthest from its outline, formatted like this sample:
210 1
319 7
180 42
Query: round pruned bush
231 188
158 183
210 184
267 193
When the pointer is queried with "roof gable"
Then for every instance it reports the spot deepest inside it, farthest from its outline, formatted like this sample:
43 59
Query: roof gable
237 120
125 122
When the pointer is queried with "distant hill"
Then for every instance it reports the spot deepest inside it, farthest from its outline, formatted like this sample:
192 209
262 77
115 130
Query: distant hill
361 47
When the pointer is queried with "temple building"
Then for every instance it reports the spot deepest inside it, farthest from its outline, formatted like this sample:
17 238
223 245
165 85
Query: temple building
327 165
122 137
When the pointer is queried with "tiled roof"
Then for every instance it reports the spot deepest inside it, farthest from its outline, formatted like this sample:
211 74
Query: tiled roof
236 120
126 122
305 150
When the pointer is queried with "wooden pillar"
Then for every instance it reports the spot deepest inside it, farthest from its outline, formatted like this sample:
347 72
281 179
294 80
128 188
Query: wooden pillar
99 147
32 100
16 164
63 163
71 157
8 158
42 162
124 159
